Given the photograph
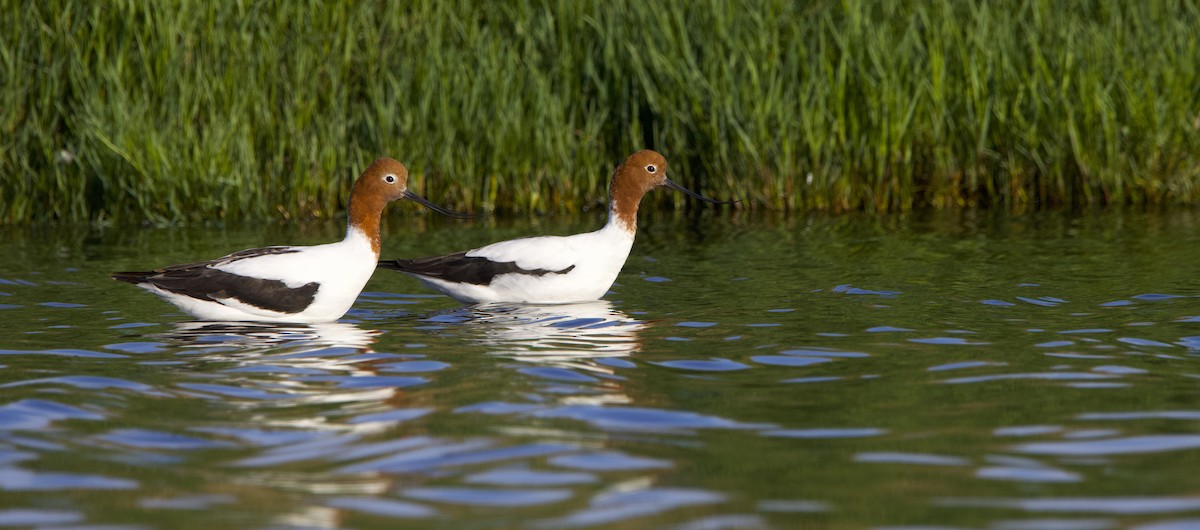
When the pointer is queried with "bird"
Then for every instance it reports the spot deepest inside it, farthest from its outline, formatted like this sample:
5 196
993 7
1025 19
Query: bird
551 269
290 284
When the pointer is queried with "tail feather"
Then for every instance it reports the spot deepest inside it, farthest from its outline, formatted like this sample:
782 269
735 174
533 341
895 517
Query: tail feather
133 276
391 264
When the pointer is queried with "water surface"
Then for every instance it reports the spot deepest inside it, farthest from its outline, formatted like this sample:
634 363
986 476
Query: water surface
951 370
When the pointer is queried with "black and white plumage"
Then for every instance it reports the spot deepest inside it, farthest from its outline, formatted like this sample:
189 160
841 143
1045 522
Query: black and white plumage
461 268
209 281
550 269
299 284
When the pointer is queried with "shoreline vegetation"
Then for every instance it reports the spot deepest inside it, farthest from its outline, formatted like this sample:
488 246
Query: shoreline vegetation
185 110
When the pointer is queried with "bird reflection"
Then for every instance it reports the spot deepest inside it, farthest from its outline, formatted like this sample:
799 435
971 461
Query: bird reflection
251 336
329 364
566 335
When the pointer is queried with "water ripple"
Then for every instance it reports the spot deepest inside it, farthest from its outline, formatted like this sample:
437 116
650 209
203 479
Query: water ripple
66 352
1114 505
1027 430
1115 446
608 461
1055 344
391 416
852 290
314 449
641 419
1045 301
824 352
1052 376
527 477
963 364
622 505
62 305
1156 296
16 479
35 517
234 391
137 347
1024 474
1144 342
711 365
911 458
1054 524
558 374
489 496
454 454
10 456
793 506
951 341
90 382
997 303
275 369
788 360
259 437
34 414
409 367
148 439
187 502
823 379
1148 415
825 433
725 522
498 407
384 507
1177 524
366 381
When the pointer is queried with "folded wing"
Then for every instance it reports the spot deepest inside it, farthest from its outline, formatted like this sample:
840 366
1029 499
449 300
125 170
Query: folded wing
535 256
207 281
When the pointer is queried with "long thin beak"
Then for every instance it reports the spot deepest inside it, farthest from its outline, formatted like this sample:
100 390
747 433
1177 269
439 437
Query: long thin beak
421 200
671 184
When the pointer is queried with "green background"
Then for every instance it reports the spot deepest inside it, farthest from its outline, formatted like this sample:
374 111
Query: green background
185 110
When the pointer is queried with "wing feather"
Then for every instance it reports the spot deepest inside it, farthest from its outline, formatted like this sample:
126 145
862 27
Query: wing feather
206 281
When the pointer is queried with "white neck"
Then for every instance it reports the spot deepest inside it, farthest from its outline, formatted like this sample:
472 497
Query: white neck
356 236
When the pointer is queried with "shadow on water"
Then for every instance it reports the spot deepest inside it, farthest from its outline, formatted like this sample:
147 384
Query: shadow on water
968 371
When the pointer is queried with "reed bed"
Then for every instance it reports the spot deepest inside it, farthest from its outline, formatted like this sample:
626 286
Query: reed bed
183 110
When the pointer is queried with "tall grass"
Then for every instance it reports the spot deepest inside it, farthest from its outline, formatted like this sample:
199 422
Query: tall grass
186 109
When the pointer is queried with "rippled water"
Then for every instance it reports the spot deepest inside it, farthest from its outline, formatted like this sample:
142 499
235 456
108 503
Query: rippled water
952 370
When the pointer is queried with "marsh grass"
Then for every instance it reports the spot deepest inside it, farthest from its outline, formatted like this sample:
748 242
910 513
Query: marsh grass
184 110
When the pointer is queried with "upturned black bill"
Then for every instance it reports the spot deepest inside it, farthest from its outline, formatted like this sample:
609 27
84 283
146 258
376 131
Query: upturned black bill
421 200
671 184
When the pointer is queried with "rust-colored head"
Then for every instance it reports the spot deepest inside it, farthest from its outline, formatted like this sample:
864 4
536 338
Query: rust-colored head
638 174
384 181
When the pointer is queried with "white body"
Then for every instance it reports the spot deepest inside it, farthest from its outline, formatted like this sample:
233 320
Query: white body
342 270
597 257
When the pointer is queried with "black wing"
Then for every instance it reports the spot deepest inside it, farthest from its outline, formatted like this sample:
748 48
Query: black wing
203 282
460 268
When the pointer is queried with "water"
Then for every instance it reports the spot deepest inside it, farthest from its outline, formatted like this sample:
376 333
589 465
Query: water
949 370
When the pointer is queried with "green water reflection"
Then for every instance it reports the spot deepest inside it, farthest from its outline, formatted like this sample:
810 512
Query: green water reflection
965 370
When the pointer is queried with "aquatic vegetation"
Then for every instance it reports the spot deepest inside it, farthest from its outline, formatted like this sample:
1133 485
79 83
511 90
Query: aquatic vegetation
176 111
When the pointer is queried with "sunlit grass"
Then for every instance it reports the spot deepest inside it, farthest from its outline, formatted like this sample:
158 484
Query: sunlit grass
185 110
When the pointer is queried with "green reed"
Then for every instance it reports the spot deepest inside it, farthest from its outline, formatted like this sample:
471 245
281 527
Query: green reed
184 110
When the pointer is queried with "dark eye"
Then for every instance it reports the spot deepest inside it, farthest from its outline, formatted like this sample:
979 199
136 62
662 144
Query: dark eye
651 168
389 179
